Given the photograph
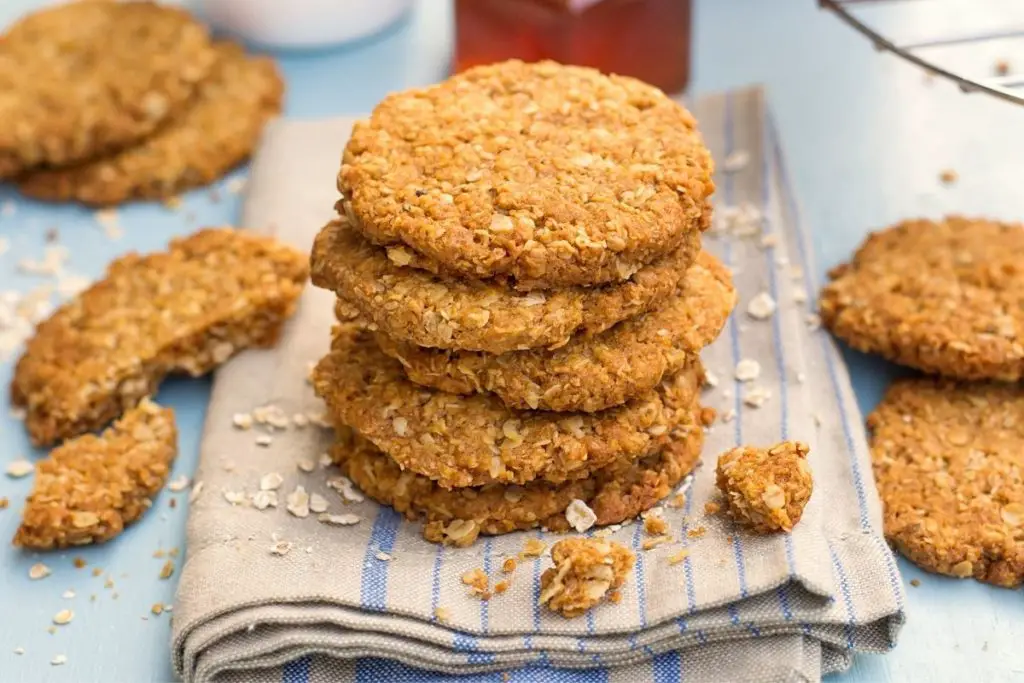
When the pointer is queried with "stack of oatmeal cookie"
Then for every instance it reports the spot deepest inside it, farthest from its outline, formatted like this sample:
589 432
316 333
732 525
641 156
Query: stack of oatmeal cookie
523 300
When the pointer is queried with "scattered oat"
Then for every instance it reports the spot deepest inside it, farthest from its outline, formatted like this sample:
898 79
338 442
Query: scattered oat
509 565
580 516
345 487
317 503
242 421
19 468
747 370
300 420
677 501
442 614
38 571
534 547
736 161
68 594
235 185
167 570
800 295
19 650
264 440
59 660
234 497
383 556
178 483
79 562
915 582
769 241
761 307
63 617
306 465
585 570
678 556
157 608
261 500
756 396
339 520
813 321
649 543
271 481
196 490
298 502
710 379
711 508
281 548
801 377
478 582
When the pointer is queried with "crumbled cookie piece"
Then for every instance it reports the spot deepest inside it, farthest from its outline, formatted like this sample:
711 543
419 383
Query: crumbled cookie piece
585 570
90 488
475 440
589 373
551 175
421 308
187 310
947 460
87 78
766 489
945 297
616 493
215 134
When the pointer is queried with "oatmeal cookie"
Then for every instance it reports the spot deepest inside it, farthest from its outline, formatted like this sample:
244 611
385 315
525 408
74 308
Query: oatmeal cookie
946 297
475 440
589 373
551 175
187 309
90 488
585 571
215 134
766 489
84 79
947 460
415 306
616 493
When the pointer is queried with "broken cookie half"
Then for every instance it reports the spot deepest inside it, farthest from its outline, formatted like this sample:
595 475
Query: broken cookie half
91 487
184 310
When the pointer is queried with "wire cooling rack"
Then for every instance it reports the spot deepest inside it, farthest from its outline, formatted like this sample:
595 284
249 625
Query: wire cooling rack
956 35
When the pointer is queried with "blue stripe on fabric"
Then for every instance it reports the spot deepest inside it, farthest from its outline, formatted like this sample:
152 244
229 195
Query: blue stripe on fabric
374 588
528 639
668 668
297 671
484 614
641 588
851 617
783 593
829 351
373 670
734 334
435 582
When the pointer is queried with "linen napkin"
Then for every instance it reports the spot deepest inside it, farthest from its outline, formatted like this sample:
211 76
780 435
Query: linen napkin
269 596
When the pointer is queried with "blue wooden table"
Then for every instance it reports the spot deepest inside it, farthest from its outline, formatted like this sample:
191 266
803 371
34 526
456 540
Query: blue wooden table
866 138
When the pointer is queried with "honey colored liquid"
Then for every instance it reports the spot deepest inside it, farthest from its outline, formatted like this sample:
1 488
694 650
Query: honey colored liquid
646 39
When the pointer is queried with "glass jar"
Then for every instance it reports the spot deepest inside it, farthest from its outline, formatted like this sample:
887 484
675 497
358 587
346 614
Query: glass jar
646 39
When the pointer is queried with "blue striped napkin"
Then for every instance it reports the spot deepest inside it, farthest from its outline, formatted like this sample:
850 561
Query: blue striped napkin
738 608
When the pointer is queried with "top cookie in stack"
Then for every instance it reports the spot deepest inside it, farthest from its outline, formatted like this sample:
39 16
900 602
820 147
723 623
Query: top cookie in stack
522 242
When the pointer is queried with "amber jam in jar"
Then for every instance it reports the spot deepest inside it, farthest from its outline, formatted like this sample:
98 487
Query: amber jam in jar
646 39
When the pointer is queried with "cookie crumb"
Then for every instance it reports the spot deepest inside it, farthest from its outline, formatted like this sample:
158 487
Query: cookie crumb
678 556
478 582
339 520
948 176
747 370
655 525
167 570
762 306
157 608
39 571
1001 67
442 614
63 617
677 501
650 543
915 582
585 570
766 489
756 396
711 508
534 547
59 660
509 565
501 587
696 533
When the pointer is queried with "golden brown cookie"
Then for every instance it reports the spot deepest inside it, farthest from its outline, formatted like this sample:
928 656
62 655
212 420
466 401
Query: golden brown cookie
84 79
945 297
947 460
187 309
215 134
416 306
589 373
585 571
766 489
616 493
475 440
90 488
551 175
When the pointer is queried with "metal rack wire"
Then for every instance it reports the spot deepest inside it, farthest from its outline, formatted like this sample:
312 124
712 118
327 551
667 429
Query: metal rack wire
1009 87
